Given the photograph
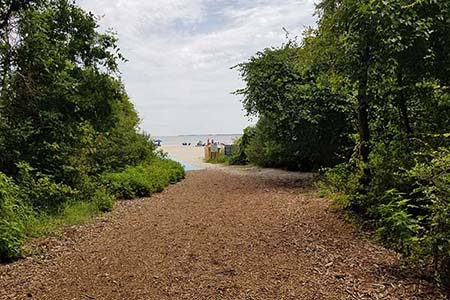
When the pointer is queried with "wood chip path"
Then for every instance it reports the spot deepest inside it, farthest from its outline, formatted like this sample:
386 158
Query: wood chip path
216 235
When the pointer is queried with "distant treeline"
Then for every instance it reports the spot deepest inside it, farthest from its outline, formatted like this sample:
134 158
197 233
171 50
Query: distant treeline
69 142
366 94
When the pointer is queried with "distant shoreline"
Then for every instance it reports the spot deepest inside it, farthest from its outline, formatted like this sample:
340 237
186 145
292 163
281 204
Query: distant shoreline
180 140
210 134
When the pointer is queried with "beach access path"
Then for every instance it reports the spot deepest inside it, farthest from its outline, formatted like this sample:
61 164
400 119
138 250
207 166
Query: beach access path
224 233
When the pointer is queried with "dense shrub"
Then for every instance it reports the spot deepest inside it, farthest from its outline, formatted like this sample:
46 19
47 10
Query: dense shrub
264 150
430 205
145 179
302 125
103 200
37 204
220 159
239 156
13 213
339 183
41 192
411 213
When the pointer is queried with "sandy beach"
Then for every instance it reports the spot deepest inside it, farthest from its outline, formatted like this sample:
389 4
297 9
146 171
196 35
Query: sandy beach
190 155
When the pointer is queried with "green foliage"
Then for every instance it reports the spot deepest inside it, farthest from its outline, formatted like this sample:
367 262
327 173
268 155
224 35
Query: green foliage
66 113
73 213
391 51
103 200
145 179
262 150
65 119
415 220
302 126
373 76
13 212
42 193
339 183
220 159
397 226
432 192
239 156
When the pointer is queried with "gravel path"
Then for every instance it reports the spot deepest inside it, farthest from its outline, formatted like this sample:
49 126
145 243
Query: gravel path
217 235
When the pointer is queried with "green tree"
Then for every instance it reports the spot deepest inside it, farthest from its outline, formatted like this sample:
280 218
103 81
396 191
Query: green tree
393 59
302 125
59 87
383 67
66 122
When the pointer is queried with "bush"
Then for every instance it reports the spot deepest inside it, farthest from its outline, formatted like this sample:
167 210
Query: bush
305 147
263 151
220 159
303 124
432 199
413 216
239 157
103 201
397 226
13 212
42 192
145 179
172 169
71 213
339 183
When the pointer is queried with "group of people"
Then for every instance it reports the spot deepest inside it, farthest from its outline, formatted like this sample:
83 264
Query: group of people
209 142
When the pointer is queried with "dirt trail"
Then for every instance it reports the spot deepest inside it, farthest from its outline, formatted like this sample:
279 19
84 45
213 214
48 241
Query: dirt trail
217 235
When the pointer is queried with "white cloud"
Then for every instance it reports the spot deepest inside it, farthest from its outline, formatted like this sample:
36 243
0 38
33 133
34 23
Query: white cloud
180 53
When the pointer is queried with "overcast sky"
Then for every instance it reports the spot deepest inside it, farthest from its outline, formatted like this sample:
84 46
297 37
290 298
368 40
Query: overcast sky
180 52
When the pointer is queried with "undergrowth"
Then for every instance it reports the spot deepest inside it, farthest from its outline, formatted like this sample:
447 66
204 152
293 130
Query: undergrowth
34 205
410 213
221 159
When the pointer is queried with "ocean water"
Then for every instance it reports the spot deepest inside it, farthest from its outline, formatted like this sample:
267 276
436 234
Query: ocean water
227 139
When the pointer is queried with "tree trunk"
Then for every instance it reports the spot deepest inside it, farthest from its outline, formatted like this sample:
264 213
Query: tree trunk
403 106
363 118
5 62
4 32
4 21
